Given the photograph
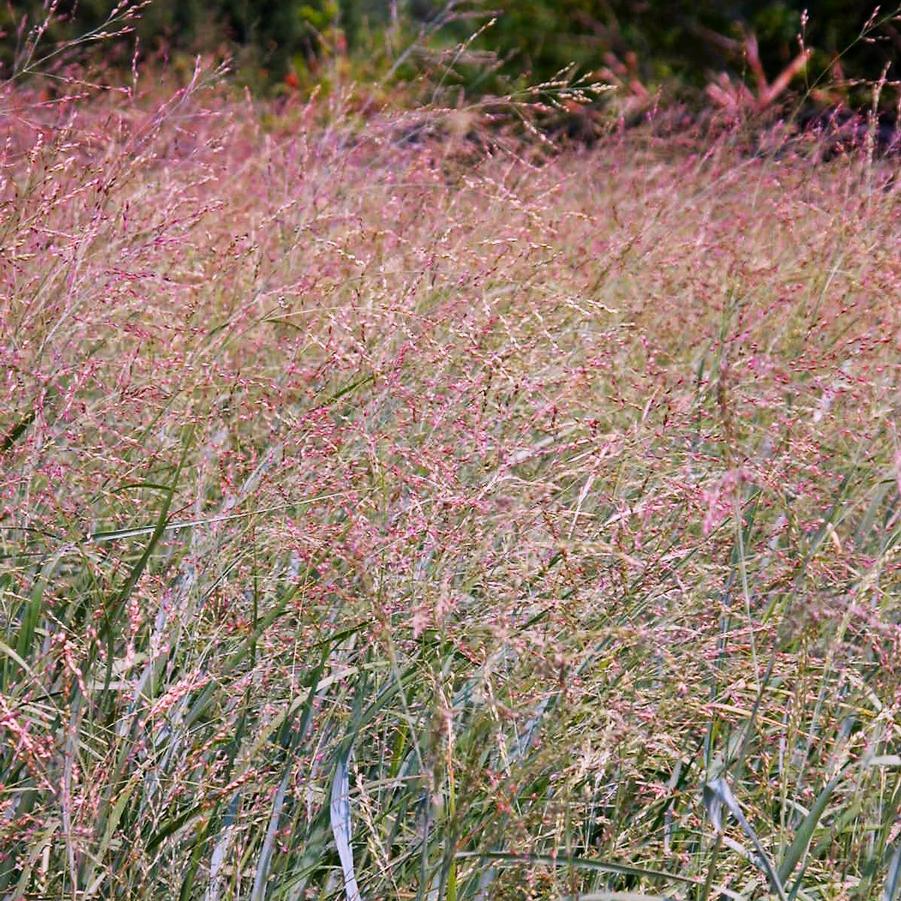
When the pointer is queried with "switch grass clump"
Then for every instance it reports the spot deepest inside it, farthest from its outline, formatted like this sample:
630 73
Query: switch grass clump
389 518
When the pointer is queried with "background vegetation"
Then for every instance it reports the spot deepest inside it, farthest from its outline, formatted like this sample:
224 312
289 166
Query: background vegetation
653 42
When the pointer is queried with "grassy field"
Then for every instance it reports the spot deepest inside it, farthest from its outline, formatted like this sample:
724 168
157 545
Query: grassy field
381 522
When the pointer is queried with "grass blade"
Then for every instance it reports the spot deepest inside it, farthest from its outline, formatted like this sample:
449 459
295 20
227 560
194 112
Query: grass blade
893 877
804 834
339 815
717 793
584 863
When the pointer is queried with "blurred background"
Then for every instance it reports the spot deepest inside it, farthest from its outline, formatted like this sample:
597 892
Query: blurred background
831 51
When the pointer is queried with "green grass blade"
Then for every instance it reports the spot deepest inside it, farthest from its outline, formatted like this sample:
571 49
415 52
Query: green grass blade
805 831
583 863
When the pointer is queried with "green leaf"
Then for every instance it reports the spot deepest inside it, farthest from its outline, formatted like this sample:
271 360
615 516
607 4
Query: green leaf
803 836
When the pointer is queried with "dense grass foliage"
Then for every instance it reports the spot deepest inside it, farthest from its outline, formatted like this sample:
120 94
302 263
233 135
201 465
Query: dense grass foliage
380 521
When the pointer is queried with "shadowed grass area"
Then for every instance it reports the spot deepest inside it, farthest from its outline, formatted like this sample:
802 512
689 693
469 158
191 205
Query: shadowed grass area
382 522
